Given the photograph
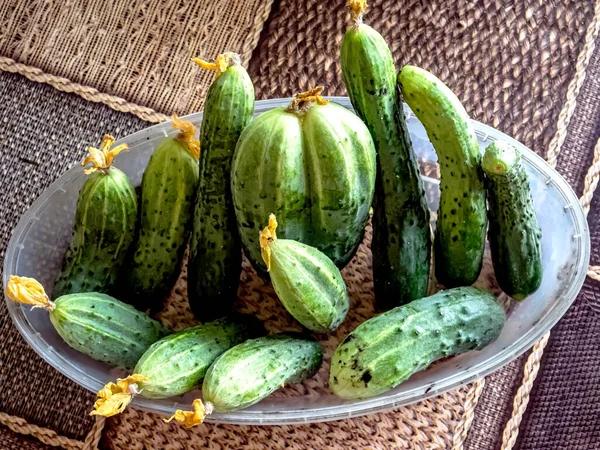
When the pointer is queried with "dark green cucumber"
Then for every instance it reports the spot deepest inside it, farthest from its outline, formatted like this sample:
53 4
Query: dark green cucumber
102 235
215 256
168 192
177 364
461 220
401 236
249 372
386 350
514 235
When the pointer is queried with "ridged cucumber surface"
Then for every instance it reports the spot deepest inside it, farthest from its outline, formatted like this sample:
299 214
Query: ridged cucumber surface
386 350
461 219
514 235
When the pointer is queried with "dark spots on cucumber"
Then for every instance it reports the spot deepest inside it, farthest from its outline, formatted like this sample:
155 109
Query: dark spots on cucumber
453 211
366 377
454 238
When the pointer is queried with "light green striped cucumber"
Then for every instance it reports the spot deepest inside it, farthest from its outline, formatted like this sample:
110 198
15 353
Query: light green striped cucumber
249 372
168 192
104 226
461 219
401 236
386 350
515 236
177 364
215 250
307 282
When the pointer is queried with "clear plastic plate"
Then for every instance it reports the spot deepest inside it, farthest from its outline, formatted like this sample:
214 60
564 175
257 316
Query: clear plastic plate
42 235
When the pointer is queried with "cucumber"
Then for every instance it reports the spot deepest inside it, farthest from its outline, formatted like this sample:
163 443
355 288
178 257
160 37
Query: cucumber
177 363
215 260
514 235
461 221
93 323
386 350
168 192
401 244
249 372
104 227
307 282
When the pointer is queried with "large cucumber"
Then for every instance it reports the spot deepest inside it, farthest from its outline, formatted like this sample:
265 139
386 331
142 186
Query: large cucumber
168 192
306 281
215 255
461 219
313 164
386 350
401 236
515 236
104 226
95 324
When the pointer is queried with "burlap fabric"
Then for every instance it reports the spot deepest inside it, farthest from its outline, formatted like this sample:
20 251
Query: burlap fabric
511 66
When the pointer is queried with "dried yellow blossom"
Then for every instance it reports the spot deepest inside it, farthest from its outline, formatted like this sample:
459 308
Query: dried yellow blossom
103 159
304 100
186 135
221 64
195 417
266 236
114 397
28 291
357 9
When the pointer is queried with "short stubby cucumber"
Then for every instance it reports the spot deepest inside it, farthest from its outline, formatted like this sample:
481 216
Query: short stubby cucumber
401 236
215 256
306 281
104 226
168 192
93 323
386 350
313 164
514 235
461 219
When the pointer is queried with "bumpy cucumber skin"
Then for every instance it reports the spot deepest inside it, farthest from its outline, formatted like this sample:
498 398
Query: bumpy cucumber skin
309 285
386 350
249 372
215 257
462 220
177 363
104 328
315 170
514 234
104 229
401 235
168 192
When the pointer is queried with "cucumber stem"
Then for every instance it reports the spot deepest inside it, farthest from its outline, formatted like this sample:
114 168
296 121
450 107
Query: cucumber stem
357 10
499 158
221 64
102 159
305 100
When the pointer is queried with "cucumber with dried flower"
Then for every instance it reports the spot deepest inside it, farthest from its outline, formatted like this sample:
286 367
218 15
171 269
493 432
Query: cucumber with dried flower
104 226
215 256
93 323
515 235
401 236
462 218
306 281
167 199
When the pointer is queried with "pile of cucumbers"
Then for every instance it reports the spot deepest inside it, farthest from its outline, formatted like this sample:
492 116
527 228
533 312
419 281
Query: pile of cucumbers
293 188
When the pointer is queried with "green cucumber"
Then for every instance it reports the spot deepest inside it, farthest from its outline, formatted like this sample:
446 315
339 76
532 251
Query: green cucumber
215 257
103 232
401 236
313 164
249 372
514 235
307 282
168 192
386 350
461 220
177 363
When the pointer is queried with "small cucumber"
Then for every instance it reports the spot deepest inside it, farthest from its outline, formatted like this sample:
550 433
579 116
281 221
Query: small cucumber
215 256
461 220
95 324
104 226
401 236
249 372
515 236
386 350
168 191
307 282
